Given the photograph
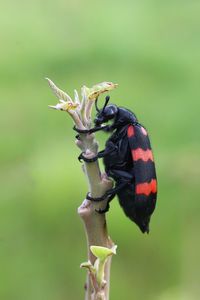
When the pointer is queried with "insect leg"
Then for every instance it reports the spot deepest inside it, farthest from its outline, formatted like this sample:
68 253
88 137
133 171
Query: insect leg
91 130
103 211
107 151
110 194
82 157
116 189
121 175
100 154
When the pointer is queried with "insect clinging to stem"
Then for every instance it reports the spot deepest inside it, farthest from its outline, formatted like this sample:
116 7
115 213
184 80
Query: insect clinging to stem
128 159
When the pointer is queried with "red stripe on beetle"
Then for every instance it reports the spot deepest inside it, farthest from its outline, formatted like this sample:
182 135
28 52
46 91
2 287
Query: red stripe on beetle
144 155
144 131
146 188
130 131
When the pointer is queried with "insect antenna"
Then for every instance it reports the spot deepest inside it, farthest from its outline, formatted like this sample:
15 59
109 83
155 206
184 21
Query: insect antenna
97 109
106 102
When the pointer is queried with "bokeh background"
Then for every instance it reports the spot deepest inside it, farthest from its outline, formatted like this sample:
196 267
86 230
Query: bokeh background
152 50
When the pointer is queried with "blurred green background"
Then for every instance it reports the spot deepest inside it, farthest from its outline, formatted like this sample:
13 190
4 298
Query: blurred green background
152 50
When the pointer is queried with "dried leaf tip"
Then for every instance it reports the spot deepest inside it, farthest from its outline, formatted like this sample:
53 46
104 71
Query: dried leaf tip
99 88
65 106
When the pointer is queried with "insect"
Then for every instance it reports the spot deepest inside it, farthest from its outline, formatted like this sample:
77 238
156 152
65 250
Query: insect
128 159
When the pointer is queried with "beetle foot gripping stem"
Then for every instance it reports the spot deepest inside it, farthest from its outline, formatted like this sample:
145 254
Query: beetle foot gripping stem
106 209
91 130
82 130
88 160
98 199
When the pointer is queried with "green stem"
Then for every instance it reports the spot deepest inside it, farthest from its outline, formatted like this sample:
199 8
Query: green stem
100 272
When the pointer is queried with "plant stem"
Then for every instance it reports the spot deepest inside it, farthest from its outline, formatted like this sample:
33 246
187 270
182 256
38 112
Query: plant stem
95 223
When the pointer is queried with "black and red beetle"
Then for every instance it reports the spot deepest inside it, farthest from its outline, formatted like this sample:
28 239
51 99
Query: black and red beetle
128 159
